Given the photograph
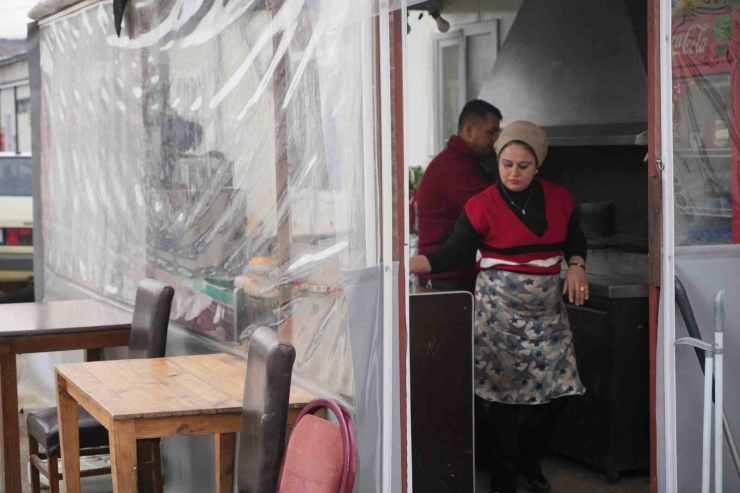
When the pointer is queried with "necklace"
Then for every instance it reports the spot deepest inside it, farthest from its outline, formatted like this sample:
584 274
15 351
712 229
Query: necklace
523 209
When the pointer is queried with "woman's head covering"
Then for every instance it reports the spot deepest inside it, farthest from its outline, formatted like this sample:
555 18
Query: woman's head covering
526 132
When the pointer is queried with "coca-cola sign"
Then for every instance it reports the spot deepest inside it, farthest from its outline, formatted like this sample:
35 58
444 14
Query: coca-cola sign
692 41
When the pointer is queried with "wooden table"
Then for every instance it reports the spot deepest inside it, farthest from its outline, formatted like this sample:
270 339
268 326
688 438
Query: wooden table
156 398
44 327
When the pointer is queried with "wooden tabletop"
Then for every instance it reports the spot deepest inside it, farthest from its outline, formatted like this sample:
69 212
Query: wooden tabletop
28 319
161 387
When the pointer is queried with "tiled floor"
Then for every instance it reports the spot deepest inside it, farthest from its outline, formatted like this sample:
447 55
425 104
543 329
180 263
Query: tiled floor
569 477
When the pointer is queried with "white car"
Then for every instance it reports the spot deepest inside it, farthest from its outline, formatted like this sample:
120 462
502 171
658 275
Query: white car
16 218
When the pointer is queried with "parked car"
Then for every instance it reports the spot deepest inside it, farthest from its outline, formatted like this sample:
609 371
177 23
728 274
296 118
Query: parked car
16 219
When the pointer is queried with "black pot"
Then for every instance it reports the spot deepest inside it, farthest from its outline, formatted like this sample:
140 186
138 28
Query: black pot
597 219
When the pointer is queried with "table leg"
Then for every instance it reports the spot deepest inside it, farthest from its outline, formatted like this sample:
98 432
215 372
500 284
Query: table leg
69 436
123 456
11 447
225 443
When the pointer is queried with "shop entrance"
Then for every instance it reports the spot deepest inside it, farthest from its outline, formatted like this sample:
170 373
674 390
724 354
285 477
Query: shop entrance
583 78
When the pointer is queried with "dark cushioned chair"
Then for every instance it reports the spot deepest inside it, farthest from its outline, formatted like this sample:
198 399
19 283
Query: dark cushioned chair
265 411
148 340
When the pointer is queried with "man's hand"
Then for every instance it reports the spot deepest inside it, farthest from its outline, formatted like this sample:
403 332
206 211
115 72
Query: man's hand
419 264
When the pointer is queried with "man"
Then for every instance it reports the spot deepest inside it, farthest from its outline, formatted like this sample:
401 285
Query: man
454 176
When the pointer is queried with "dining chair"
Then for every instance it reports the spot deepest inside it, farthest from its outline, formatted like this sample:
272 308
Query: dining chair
321 456
265 411
148 339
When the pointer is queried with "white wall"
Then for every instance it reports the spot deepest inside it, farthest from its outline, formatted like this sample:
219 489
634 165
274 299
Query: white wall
704 271
420 97
13 72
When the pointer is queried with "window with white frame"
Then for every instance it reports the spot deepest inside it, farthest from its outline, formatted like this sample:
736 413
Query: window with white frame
463 59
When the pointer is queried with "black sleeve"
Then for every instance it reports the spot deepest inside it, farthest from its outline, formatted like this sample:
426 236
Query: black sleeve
459 248
575 240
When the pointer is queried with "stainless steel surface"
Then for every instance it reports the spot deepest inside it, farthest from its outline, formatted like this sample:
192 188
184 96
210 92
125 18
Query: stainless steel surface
574 68
616 288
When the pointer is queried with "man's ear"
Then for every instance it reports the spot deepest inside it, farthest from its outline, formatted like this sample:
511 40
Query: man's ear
468 129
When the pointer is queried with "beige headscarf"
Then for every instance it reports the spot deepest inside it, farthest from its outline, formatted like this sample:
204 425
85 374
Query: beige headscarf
526 132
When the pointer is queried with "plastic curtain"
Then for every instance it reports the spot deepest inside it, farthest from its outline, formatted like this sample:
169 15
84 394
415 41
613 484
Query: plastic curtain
705 124
229 149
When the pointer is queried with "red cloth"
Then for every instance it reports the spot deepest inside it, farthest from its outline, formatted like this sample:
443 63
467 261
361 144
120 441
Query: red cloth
505 237
453 177
314 458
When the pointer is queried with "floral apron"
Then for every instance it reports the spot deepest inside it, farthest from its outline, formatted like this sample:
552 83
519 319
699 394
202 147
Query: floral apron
523 343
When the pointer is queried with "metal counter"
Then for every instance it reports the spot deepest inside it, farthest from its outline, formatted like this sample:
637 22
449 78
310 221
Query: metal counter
601 286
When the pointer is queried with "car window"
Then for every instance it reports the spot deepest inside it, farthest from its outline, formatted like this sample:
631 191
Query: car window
16 177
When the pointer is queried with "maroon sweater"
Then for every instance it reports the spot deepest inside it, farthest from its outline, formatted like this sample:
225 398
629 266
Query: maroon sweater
453 177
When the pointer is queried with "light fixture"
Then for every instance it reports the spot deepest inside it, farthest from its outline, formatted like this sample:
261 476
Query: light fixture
442 24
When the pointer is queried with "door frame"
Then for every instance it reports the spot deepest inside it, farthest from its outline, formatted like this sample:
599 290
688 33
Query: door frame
663 128
655 226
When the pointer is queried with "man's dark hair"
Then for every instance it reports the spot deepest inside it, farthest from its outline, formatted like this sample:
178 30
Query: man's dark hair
476 109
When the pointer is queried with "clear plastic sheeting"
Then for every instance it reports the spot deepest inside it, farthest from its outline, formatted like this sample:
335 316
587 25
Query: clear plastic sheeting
167 160
46 8
706 114
229 149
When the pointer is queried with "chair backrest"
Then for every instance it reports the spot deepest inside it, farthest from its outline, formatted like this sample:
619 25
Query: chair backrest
151 319
320 457
265 411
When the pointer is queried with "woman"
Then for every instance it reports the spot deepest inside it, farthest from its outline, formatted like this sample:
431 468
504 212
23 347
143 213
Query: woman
522 227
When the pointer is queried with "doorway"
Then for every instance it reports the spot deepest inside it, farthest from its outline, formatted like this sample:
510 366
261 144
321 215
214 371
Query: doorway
598 161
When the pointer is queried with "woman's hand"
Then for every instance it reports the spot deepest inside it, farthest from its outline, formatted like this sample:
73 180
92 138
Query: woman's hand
419 264
576 285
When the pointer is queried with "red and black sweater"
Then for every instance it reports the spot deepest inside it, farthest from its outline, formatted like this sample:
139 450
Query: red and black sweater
533 242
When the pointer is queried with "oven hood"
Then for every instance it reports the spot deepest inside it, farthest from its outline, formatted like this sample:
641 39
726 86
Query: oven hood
576 68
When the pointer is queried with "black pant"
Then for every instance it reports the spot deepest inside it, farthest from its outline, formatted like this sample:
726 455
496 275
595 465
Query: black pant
517 435
451 284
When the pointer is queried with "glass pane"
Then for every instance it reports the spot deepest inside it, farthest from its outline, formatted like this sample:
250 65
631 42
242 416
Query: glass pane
703 127
23 103
480 62
16 176
450 90
7 120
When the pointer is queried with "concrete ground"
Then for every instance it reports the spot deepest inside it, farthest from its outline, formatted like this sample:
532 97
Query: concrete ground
569 477
100 484
565 477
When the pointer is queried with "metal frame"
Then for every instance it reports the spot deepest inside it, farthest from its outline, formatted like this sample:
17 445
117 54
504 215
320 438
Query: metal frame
406 254
34 79
668 303
387 241
368 132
